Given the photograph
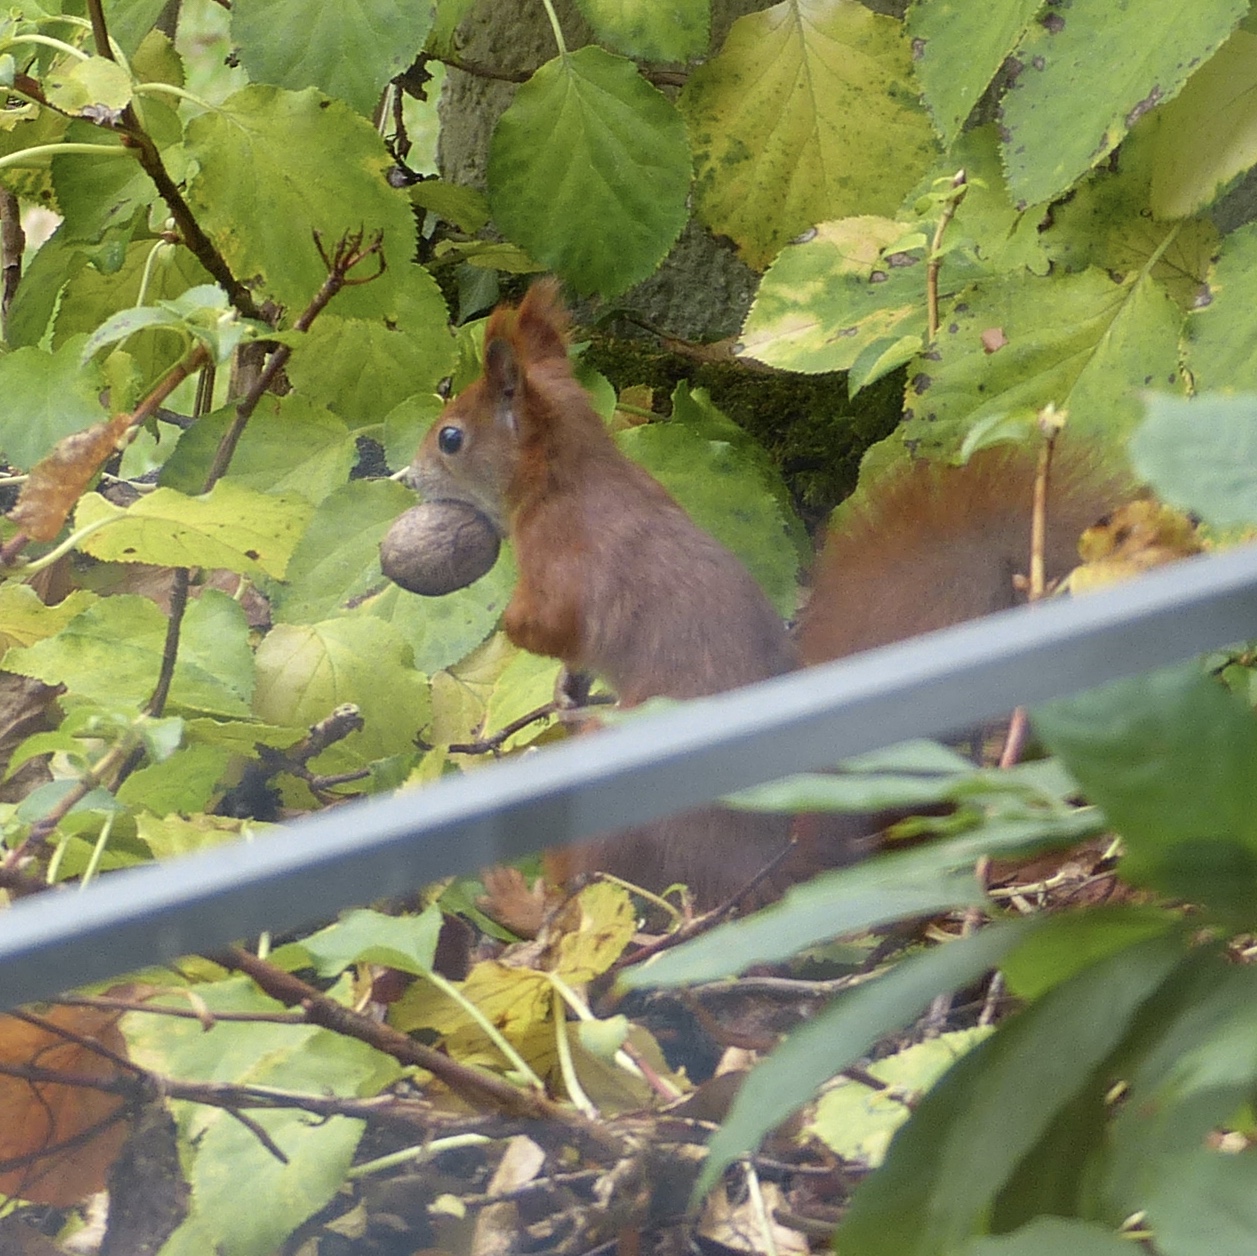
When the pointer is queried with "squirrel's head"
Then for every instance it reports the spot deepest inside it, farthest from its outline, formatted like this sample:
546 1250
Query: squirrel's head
472 452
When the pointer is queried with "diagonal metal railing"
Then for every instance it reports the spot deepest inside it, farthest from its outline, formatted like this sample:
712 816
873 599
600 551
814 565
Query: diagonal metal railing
627 775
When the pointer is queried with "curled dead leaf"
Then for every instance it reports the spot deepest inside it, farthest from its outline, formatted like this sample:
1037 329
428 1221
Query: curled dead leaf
57 1141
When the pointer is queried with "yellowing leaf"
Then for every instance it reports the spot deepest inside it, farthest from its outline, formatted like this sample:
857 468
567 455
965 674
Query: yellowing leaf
230 527
24 619
606 926
1208 134
807 114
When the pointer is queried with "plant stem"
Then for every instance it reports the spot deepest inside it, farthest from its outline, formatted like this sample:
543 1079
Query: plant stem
935 263
48 42
554 26
34 156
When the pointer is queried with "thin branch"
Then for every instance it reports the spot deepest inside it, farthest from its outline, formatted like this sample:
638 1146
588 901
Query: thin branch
170 648
348 253
473 1085
12 245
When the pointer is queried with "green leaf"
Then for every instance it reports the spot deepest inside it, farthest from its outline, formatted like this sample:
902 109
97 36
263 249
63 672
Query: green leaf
170 835
1050 1236
24 619
837 1037
442 630
283 139
44 277
92 297
807 114
337 560
726 496
649 31
407 943
989 234
229 527
405 426
130 21
958 48
290 446
1208 134
99 193
43 398
856 1121
96 81
948 1165
111 653
243 1199
350 50
304 672
1081 341
1089 72
183 783
1171 758
362 369
830 295
465 208
589 171
1220 332
1201 455
1065 944
892 887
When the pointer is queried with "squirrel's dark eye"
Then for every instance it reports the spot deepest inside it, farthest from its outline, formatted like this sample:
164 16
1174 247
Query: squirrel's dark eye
449 440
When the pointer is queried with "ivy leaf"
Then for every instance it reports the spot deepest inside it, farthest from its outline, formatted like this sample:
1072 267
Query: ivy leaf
589 170
958 48
45 397
305 671
350 50
650 31
294 188
230 527
290 445
337 560
1080 341
1110 66
796 120
1201 455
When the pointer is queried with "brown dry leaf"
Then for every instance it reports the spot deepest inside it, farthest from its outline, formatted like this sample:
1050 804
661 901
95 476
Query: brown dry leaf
57 481
62 1138
1132 539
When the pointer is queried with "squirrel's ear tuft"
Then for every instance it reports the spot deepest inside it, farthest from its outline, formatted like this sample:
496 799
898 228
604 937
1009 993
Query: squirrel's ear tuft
541 323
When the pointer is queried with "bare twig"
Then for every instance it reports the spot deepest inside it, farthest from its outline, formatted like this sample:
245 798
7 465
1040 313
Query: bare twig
473 1085
12 244
348 253
1050 423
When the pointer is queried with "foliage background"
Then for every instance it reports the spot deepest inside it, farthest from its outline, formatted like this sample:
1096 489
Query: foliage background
198 640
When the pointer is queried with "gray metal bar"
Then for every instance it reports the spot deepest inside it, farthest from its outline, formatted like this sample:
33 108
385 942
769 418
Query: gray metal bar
623 776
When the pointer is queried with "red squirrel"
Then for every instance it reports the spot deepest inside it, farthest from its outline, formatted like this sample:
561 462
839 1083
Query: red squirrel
616 580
